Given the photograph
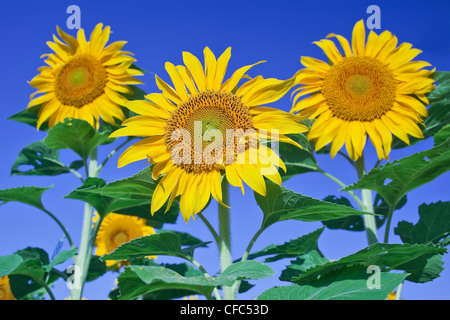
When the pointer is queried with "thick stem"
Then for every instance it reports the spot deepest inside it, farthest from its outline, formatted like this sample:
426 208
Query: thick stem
225 236
82 260
366 195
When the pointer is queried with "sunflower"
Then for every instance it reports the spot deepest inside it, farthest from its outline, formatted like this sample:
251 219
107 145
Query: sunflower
199 103
5 289
84 79
373 89
116 229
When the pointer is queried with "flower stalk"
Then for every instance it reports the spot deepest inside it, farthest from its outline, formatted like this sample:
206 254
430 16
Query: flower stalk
367 204
225 235
82 260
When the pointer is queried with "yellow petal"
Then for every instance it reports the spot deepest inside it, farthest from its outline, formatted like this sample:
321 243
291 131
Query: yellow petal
330 50
359 39
267 93
164 189
138 151
196 70
187 79
236 77
251 175
233 177
177 81
222 64
210 68
339 139
344 44
167 90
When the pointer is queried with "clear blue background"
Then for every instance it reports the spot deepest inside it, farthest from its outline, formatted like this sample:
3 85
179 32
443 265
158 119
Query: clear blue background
158 31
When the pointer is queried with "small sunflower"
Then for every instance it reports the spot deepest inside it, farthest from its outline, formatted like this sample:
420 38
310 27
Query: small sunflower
84 79
373 89
116 229
5 289
201 101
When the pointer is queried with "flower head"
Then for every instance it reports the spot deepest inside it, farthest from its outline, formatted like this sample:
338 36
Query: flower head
84 79
5 289
204 127
116 229
373 89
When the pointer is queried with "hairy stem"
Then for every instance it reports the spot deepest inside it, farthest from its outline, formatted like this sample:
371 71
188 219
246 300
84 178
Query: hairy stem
366 195
225 236
82 260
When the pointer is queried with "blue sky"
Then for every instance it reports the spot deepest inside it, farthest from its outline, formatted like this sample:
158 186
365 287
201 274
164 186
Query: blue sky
158 31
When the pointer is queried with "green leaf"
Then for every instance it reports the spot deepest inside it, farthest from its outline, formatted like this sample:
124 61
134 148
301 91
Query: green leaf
138 93
42 160
158 244
344 284
184 269
77 135
29 116
26 270
297 160
394 180
281 204
442 135
34 253
62 257
423 262
186 238
101 204
350 223
9 263
28 195
189 251
26 278
31 268
438 117
443 89
438 111
139 280
303 262
291 248
131 196
138 186
97 268
249 270
433 225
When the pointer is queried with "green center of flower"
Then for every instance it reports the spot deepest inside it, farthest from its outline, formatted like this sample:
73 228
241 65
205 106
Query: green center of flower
359 89
120 238
78 76
80 81
208 120
204 118
359 85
